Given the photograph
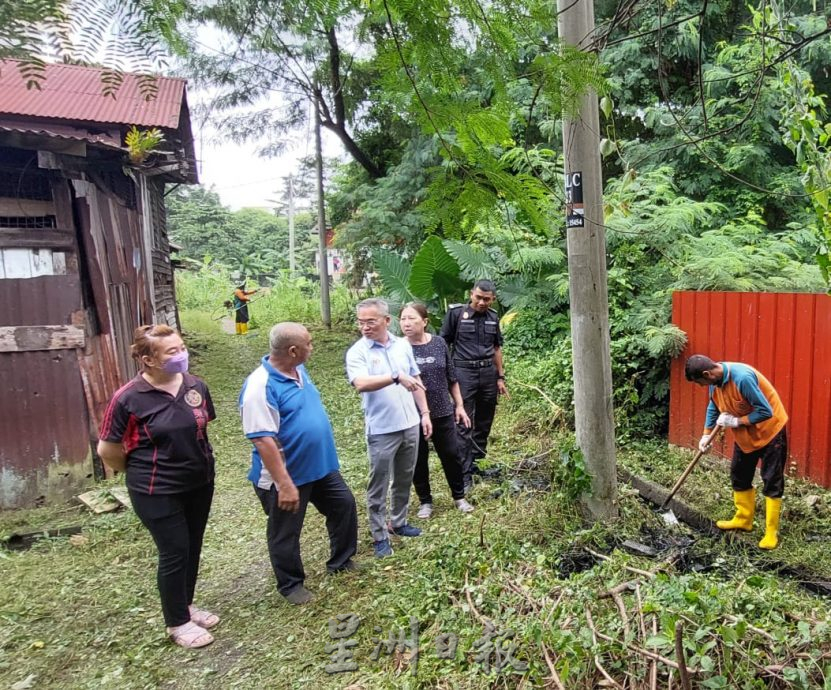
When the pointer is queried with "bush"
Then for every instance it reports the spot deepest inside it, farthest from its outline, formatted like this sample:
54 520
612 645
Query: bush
538 356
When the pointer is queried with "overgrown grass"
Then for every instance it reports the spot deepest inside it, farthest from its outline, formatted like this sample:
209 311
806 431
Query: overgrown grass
86 615
281 299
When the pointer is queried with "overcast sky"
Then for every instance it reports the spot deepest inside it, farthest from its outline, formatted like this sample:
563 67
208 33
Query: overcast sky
237 173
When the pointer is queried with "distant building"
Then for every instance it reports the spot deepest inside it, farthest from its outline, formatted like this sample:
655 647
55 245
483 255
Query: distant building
84 259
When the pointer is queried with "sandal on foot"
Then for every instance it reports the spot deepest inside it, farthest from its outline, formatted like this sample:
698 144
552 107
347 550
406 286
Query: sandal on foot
203 618
190 636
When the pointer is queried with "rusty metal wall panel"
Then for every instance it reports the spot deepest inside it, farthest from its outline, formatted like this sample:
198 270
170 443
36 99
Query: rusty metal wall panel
786 336
100 367
44 430
73 92
40 301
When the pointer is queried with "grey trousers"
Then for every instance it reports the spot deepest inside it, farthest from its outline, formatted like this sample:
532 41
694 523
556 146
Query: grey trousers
392 459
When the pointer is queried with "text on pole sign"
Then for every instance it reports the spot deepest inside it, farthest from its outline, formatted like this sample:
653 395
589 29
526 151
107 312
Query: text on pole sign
575 213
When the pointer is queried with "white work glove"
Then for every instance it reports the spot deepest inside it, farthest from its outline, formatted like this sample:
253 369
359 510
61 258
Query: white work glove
704 443
727 420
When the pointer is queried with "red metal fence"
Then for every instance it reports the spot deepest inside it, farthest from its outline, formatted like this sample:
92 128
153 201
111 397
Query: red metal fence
786 336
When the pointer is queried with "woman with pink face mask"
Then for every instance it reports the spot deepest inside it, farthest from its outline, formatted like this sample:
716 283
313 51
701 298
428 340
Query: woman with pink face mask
155 430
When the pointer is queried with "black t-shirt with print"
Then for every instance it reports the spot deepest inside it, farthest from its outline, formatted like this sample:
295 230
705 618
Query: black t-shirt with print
437 373
165 438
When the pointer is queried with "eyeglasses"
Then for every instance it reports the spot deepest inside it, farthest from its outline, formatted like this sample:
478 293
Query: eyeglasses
368 322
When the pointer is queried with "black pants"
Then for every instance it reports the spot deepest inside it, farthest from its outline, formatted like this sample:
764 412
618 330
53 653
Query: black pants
773 456
479 392
242 314
177 524
333 499
446 442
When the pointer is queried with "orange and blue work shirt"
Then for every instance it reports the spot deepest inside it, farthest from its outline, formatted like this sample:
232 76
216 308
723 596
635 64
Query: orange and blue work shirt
745 393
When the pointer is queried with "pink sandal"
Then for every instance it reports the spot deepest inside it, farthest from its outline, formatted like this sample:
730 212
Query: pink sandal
203 618
190 635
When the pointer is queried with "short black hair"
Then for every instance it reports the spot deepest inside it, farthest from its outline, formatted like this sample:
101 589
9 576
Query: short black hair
697 366
485 285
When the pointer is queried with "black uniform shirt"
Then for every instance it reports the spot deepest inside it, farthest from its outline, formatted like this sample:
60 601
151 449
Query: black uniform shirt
164 437
472 335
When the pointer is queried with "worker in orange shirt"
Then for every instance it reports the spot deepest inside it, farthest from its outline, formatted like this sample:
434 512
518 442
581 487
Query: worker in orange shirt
743 400
241 300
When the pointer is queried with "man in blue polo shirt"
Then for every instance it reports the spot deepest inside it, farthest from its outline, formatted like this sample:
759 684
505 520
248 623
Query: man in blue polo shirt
382 368
294 461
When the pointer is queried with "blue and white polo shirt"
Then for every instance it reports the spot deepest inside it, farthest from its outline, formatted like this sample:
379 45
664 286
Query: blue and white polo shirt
273 404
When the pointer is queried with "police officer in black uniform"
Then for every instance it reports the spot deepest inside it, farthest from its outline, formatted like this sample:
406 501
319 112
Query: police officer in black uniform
472 331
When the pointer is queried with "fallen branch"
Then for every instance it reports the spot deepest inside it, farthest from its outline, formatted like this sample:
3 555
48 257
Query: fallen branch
597 663
553 608
555 677
617 590
473 609
621 607
752 628
653 664
558 411
647 653
630 568
679 655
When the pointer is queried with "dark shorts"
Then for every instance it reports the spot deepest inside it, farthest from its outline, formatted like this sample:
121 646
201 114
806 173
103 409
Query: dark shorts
773 456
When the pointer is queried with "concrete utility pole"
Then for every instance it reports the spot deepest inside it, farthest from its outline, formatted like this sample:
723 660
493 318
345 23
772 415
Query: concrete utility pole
586 239
325 307
292 261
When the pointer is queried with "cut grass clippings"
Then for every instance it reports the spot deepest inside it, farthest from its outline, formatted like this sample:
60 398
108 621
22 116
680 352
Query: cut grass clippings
86 614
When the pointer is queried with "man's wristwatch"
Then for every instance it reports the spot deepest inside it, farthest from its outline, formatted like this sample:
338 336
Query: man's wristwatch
395 378
500 377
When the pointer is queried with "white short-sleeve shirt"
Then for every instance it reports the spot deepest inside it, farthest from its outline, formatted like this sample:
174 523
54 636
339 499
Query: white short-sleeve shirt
393 407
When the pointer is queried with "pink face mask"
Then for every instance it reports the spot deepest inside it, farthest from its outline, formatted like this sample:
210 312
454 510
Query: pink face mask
178 364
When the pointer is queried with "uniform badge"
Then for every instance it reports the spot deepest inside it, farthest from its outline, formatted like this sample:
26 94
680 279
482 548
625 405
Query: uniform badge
464 315
193 398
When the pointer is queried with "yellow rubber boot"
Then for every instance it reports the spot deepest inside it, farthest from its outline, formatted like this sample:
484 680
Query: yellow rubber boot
773 506
238 328
745 507
243 328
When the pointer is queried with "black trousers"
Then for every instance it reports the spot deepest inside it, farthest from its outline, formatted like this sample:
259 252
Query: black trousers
479 392
773 456
177 525
333 499
449 449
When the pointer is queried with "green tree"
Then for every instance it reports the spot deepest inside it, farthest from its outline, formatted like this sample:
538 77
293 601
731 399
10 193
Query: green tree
122 35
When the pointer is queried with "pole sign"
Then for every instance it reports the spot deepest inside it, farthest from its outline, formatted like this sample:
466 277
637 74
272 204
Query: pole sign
575 213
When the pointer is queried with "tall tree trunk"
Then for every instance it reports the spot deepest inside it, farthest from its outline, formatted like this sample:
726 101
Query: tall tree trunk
334 119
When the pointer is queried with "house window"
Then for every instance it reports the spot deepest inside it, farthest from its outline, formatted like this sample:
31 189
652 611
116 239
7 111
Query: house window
28 222
31 244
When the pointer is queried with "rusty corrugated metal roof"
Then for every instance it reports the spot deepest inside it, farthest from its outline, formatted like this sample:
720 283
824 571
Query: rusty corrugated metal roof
72 92
55 131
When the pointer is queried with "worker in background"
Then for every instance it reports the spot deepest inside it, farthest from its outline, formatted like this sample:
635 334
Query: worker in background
743 400
241 300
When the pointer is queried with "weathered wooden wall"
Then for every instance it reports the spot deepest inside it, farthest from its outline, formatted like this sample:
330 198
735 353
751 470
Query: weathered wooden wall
73 287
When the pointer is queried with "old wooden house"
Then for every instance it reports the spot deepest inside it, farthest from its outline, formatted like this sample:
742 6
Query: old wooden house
84 259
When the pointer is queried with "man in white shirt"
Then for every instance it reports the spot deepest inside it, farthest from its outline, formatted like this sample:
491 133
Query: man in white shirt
382 368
